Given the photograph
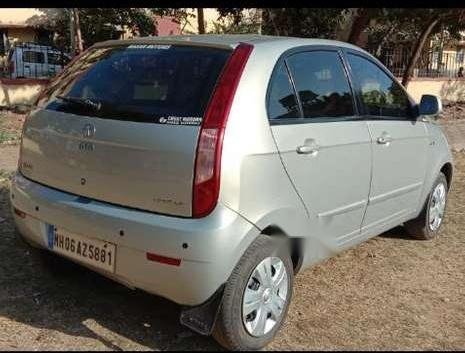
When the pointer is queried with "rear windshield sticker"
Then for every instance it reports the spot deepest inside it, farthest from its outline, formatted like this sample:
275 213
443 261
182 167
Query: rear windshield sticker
149 46
180 120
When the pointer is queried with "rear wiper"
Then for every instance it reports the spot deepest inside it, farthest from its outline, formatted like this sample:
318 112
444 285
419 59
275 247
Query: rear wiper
82 101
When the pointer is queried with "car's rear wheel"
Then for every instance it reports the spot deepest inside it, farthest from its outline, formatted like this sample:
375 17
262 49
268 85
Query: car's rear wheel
256 297
428 223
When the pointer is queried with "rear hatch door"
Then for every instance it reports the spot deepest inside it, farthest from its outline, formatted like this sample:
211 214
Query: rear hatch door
121 125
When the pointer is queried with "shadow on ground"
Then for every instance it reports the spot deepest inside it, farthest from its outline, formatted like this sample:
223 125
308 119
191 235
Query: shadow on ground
79 302
397 233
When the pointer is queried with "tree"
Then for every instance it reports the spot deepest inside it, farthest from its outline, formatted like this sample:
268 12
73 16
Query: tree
96 24
298 22
431 21
413 27
77 26
238 21
303 22
360 22
200 21
182 16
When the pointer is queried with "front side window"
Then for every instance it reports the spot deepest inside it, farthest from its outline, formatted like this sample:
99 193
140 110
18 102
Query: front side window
34 57
282 102
321 83
381 95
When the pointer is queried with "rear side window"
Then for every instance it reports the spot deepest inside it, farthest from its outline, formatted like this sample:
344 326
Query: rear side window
144 83
381 95
34 57
282 102
322 84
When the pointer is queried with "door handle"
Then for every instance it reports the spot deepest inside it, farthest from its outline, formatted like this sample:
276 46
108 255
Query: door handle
309 147
384 139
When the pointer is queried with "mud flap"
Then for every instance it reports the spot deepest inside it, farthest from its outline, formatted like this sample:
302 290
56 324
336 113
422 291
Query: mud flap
202 318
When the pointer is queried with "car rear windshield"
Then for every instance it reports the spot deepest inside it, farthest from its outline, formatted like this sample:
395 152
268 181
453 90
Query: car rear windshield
169 84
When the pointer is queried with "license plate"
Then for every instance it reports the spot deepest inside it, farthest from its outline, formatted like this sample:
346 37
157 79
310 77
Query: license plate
91 251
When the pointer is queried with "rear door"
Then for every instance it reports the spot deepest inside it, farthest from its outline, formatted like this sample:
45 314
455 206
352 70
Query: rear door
399 143
324 146
121 125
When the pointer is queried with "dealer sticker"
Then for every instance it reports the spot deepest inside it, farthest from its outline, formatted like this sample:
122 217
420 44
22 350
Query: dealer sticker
180 120
149 46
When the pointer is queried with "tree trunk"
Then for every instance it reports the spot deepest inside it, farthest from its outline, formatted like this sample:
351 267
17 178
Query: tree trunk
200 20
72 33
270 17
361 21
80 47
417 51
384 41
260 20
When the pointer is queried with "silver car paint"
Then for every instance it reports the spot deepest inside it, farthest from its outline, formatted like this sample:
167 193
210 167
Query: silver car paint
141 165
215 243
398 172
262 185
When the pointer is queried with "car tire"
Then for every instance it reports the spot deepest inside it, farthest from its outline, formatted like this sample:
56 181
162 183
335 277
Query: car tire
233 329
426 226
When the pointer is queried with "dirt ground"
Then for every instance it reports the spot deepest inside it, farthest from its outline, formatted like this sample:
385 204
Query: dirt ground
453 111
10 127
391 292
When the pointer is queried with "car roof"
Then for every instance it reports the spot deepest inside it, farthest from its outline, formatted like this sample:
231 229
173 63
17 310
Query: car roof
229 41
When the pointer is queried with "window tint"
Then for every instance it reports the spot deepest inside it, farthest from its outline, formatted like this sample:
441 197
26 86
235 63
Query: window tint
321 83
282 102
33 57
381 95
145 83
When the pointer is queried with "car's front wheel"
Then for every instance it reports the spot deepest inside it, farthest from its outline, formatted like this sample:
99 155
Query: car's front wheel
428 223
256 297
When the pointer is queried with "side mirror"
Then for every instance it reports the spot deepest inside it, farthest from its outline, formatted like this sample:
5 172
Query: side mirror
430 105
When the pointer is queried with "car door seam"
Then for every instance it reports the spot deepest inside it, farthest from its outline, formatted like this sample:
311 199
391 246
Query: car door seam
288 175
371 175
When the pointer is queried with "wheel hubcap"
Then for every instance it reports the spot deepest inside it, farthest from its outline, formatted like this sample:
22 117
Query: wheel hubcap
265 296
437 206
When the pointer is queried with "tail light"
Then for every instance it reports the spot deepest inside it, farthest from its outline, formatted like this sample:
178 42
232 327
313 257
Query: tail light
208 158
163 259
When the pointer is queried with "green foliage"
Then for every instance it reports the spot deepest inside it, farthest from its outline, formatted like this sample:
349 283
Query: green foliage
303 22
298 22
405 25
97 24
237 21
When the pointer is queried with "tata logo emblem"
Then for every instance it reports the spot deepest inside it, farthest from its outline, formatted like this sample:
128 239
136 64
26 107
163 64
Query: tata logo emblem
85 146
88 130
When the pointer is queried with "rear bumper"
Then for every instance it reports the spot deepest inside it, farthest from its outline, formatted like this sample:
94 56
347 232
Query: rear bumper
214 243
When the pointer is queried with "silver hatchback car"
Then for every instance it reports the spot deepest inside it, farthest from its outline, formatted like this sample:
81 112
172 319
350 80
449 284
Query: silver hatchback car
211 169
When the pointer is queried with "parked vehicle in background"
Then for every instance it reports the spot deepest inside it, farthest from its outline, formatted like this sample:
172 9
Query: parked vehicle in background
211 169
29 60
